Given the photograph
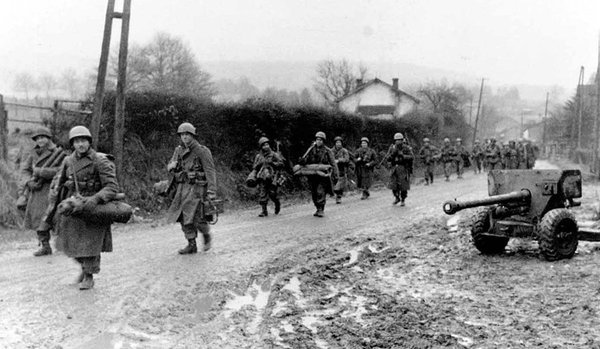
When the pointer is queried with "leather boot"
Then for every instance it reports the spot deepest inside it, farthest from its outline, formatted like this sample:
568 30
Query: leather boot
320 212
264 211
338 199
396 200
277 206
88 282
364 195
207 242
44 238
402 202
190 248
80 277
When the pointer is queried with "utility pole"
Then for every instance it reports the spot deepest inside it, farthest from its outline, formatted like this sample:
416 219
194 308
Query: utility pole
478 109
121 83
596 122
544 122
99 95
580 105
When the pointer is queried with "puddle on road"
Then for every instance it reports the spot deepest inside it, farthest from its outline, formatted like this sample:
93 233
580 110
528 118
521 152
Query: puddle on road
103 341
309 322
374 249
321 344
287 327
257 296
294 287
353 256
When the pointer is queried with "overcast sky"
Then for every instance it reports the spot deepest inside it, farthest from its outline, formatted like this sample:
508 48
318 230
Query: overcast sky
508 41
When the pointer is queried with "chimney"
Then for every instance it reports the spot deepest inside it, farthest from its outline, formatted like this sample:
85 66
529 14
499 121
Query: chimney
395 83
359 82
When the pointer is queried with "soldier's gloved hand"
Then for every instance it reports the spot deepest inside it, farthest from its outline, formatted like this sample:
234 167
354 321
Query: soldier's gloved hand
37 171
32 184
211 196
172 165
89 203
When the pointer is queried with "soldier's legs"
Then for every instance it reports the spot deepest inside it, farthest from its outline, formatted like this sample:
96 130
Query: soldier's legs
447 166
89 267
263 198
459 168
319 196
274 196
190 231
427 177
44 241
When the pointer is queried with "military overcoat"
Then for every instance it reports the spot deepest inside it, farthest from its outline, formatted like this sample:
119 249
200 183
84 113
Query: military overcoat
195 176
365 166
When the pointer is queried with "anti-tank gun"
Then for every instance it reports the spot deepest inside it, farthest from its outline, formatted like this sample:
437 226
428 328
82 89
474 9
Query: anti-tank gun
528 204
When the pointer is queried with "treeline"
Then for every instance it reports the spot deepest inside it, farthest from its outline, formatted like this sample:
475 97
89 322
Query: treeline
231 132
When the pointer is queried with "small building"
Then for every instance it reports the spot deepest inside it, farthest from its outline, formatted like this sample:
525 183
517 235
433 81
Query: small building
378 99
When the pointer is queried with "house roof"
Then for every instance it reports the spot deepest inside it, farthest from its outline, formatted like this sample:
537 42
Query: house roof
398 92
373 110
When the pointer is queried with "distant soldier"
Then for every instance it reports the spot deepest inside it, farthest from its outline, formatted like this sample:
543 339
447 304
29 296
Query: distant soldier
448 156
400 158
193 168
37 171
366 159
342 160
512 156
493 155
462 157
91 175
428 154
504 155
526 154
267 165
320 186
478 156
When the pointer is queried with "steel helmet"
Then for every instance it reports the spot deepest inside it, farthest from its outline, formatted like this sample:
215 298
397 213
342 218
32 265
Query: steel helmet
79 131
398 136
186 127
459 139
477 141
446 140
425 140
262 141
364 139
321 135
338 138
42 131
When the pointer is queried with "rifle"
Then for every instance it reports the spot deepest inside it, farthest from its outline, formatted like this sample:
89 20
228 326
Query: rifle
393 146
309 149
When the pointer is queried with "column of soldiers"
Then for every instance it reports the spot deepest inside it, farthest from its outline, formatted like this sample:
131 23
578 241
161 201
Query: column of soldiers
50 175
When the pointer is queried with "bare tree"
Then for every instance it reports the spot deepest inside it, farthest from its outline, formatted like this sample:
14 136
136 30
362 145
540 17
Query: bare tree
336 79
70 83
48 83
166 64
25 83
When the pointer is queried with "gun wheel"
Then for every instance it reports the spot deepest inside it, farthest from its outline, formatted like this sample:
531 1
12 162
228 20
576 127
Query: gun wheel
557 234
486 244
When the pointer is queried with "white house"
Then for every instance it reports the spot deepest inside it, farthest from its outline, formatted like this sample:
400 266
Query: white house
378 99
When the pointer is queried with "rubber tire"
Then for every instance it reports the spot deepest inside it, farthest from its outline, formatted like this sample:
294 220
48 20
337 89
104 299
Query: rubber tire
552 246
486 244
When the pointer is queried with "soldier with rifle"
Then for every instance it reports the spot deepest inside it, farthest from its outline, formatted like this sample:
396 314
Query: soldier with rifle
37 171
448 156
493 155
321 183
428 154
462 158
400 158
267 165
366 160
477 156
342 160
194 181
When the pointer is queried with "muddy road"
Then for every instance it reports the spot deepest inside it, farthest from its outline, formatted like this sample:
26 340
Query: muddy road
368 275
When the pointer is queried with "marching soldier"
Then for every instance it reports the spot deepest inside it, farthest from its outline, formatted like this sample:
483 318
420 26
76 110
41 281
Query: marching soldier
448 156
493 155
400 158
512 161
366 159
477 155
342 160
37 171
504 155
194 173
91 175
461 156
267 164
428 154
526 154
320 186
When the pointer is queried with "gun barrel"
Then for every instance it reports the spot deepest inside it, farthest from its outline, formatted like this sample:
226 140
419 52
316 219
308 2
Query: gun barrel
523 196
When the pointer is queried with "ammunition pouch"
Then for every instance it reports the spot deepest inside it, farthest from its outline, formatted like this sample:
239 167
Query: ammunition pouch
191 177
